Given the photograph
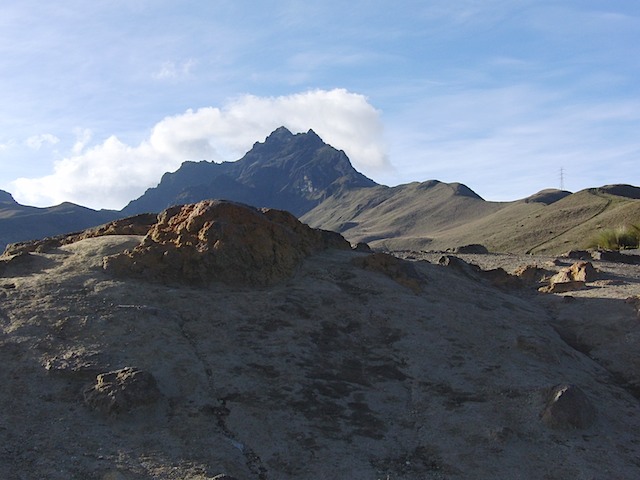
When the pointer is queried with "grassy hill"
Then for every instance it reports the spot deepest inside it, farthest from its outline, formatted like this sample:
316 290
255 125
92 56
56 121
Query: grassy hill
437 216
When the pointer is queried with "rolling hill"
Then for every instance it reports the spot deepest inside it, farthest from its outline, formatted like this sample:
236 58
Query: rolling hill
439 216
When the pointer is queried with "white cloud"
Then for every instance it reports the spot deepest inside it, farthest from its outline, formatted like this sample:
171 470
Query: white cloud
110 174
37 141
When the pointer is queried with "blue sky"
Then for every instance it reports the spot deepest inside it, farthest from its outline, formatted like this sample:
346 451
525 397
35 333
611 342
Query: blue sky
98 99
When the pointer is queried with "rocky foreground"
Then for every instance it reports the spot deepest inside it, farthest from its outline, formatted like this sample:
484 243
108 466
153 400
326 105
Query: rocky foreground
123 358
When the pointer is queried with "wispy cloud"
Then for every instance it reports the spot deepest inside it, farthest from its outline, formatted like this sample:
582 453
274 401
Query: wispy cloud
37 141
173 71
111 173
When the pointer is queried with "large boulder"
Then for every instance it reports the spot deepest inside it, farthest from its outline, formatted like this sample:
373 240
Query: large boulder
223 241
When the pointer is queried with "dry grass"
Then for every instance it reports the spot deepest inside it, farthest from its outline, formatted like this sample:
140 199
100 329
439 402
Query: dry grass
620 238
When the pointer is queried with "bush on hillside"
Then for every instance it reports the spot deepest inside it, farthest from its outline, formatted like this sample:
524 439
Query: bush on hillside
626 236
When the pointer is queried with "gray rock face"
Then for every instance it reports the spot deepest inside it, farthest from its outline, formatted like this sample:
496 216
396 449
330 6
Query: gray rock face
122 390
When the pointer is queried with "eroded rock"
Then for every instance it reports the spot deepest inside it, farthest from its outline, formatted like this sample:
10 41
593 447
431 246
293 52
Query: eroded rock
578 272
222 241
571 278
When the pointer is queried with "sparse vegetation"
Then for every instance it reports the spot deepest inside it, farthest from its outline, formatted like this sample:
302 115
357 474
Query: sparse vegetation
620 238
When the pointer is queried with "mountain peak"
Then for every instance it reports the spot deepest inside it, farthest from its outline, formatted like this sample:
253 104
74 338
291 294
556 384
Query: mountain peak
279 134
287 171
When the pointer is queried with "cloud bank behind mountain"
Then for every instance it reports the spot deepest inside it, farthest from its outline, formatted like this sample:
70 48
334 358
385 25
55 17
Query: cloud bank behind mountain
109 173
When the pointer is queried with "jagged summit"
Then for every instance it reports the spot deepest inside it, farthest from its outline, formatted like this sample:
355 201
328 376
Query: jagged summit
293 172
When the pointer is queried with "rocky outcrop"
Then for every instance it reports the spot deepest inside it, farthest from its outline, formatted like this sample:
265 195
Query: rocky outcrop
122 390
222 241
578 272
571 278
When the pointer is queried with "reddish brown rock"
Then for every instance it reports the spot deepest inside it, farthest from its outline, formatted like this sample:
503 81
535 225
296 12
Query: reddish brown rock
583 272
571 278
222 241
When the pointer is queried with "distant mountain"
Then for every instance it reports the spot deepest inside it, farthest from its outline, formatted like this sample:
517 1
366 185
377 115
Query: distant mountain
286 171
20 223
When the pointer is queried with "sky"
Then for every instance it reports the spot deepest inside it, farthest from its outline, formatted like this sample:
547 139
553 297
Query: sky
99 99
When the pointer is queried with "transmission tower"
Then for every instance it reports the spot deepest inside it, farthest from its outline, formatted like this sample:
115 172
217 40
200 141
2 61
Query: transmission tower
561 178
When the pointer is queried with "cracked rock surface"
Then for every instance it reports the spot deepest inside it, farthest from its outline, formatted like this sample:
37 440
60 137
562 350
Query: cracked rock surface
336 371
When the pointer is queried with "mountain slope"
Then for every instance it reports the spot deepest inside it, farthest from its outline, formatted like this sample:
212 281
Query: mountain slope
405 217
286 171
437 216
21 223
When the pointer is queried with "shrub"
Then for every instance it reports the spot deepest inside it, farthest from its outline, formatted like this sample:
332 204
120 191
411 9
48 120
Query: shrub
626 236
